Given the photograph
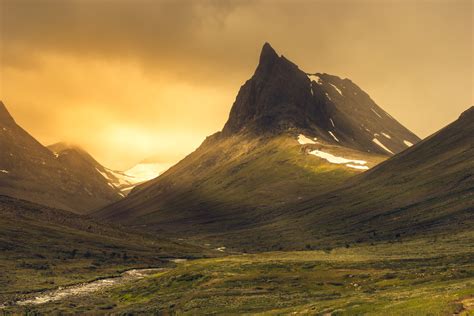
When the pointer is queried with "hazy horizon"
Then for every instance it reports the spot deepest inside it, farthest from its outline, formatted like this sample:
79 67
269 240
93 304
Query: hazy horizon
138 79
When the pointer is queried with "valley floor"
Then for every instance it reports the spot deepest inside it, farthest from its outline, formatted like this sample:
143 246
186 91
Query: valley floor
429 276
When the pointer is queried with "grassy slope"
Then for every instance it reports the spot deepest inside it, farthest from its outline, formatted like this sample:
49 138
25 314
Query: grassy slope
45 248
420 277
230 183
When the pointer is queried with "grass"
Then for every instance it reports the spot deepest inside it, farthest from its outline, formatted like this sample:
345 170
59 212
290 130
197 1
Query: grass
418 277
42 248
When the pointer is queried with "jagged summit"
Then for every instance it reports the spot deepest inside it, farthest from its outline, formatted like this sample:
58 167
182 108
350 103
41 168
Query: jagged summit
268 54
281 98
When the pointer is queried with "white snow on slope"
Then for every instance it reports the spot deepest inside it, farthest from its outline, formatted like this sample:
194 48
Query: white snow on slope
337 89
408 143
328 96
357 167
351 163
142 172
303 140
335 159
386 135
375 112
332 122
314 78
105 175
333 136
375 140
4 171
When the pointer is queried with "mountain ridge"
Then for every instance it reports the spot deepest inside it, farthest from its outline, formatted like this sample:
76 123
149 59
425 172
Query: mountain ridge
30 171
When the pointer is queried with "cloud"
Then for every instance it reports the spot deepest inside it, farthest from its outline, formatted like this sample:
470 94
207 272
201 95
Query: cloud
75 69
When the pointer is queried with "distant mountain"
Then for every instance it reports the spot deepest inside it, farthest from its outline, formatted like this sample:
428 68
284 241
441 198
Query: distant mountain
289 136
30 171
143 172
123 181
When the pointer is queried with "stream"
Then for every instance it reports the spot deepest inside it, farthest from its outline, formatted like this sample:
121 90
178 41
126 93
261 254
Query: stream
86 288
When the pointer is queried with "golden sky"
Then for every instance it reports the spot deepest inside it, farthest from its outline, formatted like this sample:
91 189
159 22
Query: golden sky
128 80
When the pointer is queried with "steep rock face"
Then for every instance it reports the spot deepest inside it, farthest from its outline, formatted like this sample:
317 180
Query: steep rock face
280 98
30 171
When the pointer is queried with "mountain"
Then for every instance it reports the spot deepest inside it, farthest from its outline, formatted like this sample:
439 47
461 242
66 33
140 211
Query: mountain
280 96
426 190
123 181
30 171
141 173
289 136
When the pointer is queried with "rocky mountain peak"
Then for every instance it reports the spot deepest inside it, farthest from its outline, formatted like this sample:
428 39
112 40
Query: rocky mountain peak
281 98
268 58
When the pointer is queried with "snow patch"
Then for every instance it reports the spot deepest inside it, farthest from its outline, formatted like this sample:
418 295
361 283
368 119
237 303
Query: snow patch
337 89
333 136
315 78
303 140
221 249
386 135
375 140
328 96
332 122
4 171
408 143
335 159
104 174
357 167
375 112
351 163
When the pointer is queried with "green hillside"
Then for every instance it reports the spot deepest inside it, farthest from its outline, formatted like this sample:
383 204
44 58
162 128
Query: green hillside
43 248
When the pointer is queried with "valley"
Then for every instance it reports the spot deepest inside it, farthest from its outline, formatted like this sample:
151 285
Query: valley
311 200
420 276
